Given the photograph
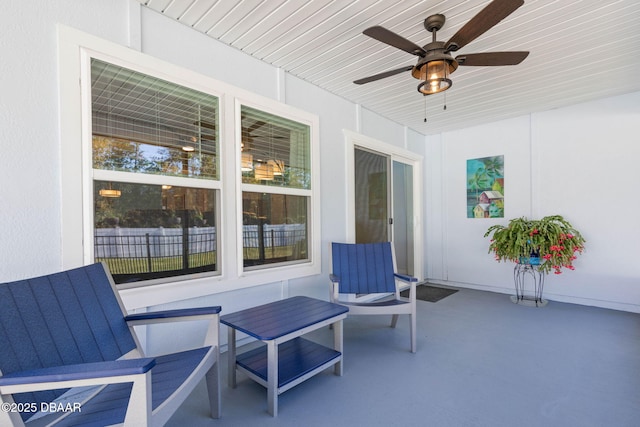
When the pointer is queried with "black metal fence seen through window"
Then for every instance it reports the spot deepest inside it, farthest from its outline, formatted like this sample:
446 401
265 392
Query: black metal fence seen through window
135 254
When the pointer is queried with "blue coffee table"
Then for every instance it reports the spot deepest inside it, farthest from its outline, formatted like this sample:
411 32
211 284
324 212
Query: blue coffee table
287 359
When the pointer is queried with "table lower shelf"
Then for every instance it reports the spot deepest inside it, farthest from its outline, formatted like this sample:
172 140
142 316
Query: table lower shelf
298 359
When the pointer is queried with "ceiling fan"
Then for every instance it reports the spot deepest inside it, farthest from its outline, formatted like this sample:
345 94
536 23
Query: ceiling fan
435 63
208 130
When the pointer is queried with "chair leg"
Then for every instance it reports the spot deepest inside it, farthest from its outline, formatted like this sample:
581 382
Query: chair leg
412 322
394 320
212 379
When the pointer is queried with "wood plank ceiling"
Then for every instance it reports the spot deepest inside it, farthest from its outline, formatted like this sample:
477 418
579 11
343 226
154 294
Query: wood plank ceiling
580 50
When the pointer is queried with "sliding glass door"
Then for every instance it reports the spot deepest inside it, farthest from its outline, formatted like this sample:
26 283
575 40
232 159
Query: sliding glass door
372 199
403 214
384 208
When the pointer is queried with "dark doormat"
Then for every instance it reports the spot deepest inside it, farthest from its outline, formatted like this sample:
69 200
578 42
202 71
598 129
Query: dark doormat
430 293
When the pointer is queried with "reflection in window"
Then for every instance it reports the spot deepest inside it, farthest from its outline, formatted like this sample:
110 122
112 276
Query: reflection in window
143 125
147 125
147 231
275 150
275 228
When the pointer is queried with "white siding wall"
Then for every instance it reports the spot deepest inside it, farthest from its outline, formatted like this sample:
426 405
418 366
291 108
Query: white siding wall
579 162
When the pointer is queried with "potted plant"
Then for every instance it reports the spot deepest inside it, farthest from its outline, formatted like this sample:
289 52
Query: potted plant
551 243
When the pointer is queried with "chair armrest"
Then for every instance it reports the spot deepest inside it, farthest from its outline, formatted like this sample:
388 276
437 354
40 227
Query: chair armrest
195 313
71 375
405 277
212 314
334 284
411 281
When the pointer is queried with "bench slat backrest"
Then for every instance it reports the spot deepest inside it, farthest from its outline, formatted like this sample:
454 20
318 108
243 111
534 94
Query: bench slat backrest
60 319
363 268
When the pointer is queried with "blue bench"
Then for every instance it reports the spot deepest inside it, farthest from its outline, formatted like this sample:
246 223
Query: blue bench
69 355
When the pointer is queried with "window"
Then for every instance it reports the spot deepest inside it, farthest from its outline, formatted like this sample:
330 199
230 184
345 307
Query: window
276 193
169 176
274 228
142 127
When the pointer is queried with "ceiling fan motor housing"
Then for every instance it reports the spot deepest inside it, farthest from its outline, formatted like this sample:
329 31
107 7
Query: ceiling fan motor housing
435 52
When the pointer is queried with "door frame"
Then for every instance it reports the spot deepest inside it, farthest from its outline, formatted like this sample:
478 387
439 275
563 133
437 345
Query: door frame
395 153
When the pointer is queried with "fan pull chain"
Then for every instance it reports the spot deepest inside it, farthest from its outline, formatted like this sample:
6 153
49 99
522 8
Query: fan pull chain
445 101
425 108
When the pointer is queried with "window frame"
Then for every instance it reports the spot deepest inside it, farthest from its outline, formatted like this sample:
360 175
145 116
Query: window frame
355 140
77 174
284 190
136 177
313 194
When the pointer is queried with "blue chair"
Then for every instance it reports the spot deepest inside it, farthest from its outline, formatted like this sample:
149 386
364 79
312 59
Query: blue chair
367 272
69 355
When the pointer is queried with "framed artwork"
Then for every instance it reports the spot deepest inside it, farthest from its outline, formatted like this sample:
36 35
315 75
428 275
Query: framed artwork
485 187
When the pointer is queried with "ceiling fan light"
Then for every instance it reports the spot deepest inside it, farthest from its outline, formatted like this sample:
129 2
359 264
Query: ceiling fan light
190 145
435 76
108 192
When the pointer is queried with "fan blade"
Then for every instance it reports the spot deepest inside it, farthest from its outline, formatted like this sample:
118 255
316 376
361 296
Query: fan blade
255 126
383 75
493 13
395 40
205 124
492 58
